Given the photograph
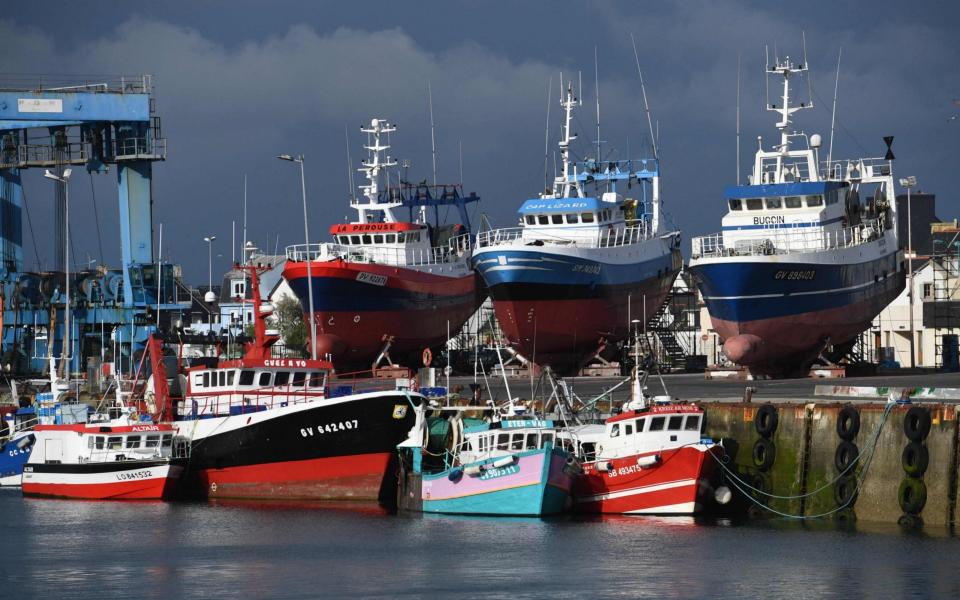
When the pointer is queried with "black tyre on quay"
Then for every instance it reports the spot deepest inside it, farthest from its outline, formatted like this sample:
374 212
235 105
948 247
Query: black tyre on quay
848 423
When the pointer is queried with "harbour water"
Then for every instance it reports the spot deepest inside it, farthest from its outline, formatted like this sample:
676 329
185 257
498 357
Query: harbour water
76 549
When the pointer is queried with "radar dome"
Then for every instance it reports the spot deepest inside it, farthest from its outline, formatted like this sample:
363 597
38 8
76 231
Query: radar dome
815 140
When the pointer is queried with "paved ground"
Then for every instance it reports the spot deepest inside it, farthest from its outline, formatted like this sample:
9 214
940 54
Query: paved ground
694 387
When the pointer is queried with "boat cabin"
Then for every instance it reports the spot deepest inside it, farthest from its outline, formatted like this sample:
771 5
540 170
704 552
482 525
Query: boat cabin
505 438
652 429
572 220
82 443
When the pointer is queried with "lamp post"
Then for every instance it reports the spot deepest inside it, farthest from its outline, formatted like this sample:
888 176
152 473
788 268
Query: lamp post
65 180
210 297
306 239
909 182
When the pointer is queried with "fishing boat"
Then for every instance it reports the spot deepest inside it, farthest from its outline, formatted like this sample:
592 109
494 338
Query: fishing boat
116 459
387 288
808 255
569 280
511 467
649 459
265 427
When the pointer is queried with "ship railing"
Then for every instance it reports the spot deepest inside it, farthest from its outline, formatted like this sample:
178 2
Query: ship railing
455 250
855 169
604 238
775 241
18 427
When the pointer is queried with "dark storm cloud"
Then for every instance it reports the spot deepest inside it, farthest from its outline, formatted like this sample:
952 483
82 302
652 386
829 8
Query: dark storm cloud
238 83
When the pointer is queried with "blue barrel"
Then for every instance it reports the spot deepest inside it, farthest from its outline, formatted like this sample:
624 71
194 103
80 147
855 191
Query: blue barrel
951 353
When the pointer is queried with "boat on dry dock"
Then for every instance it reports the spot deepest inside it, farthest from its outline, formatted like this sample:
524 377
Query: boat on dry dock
388 288
809 253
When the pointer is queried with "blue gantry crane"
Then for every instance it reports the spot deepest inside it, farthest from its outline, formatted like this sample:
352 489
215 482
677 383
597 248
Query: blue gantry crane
55 124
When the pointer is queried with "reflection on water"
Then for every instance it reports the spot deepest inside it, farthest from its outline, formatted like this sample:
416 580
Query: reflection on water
69 549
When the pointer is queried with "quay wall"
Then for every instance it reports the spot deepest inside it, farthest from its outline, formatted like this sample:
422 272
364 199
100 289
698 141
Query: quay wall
806 448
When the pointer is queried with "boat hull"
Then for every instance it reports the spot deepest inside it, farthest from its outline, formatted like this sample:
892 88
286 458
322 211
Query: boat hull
329 449
535 484
357 307
14 454
558 310
117 480
679 484
777 317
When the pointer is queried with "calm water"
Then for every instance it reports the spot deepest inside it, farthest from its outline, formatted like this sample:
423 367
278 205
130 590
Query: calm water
67 549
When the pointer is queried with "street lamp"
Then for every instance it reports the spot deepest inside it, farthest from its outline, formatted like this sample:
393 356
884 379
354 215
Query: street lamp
65 180
306 238
909 182
210 297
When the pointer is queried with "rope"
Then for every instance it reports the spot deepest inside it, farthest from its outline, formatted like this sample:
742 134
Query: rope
96 216
33 237
737 482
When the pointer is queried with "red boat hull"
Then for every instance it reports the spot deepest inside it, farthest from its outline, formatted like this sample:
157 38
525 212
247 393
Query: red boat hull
103 486
340 478
679 484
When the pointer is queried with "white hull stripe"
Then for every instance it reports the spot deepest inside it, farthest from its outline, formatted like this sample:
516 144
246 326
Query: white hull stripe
792 294
682 508
639 490
113 477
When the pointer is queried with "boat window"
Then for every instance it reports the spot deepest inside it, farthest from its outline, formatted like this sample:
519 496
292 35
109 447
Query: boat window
133 441
281 378
754 203
114 443
152 441
588 449
792 202
378 238
298 378
230 375
542 219
586 217
516 442
206 380
366 239
546 438
246 377
391 238
675 423
531 220
223 378
692 423
773 202
343 239
167 440
615 430
815 200
657 423
640 424
503 441
572 219
264 380
736 204
557 219
628 429
531 441
316 379
99 442
354 239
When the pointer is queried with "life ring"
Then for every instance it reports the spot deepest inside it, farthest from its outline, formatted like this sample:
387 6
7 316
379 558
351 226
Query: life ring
847 453
427 357
845 491
764 453
915 459
766 420
848 423
916 424
912 495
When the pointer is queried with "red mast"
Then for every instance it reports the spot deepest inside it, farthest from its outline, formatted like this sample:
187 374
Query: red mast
259 348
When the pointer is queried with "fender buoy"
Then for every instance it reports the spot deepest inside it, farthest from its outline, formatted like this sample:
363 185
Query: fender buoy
912 495
915 459
427 357
848 423
766 420
916 424
846 454
845 491
764 453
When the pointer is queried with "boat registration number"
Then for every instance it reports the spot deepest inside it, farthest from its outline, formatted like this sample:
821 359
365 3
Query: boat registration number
133 475
790 275
500 472
592 269
329 428
372 279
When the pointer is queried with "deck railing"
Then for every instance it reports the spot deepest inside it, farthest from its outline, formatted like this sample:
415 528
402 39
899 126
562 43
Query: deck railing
604 238
452 252
771 241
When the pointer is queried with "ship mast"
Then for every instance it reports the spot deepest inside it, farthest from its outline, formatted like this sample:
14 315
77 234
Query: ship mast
785 162
371 168
565 182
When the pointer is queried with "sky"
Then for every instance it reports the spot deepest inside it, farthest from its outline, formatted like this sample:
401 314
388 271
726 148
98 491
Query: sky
237 83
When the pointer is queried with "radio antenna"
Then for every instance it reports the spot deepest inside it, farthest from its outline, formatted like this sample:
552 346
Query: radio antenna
833 115
654 141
